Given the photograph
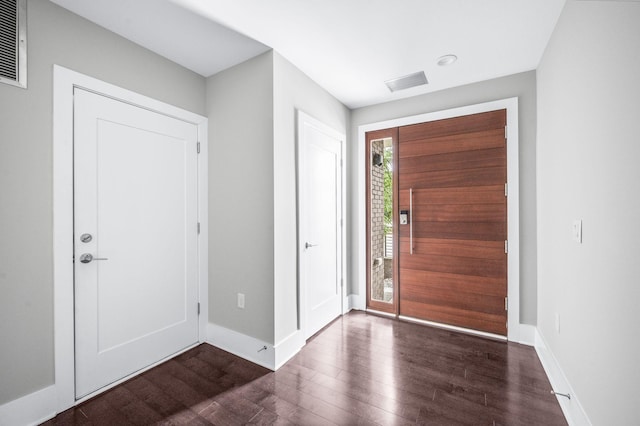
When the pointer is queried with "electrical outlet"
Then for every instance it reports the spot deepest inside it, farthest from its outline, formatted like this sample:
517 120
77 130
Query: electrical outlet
577 231
241 300
558 323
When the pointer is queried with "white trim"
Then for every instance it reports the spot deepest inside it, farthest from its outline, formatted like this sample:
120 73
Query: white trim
287 348
244 346
351 302
571 408
31 409
64 80
306 119
513 203
527 335
203 219
249 348
356 302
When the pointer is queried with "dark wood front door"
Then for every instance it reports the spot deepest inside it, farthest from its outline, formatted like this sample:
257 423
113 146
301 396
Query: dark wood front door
452 260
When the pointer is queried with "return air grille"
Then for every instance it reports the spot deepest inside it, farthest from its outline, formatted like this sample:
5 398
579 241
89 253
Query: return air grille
13 42
411 80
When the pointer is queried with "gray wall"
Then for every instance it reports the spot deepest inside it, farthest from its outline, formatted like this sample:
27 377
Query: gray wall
522 86
588 154
293 91
240 111
252 191
55 36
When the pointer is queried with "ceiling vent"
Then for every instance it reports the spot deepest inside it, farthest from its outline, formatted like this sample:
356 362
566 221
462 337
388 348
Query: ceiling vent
13 42
411 80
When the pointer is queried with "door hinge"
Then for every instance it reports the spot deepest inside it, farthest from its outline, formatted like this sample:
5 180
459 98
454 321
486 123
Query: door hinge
506 246
506 303
198 147
505 133
506 189
198 228
341 282
341 162
198 308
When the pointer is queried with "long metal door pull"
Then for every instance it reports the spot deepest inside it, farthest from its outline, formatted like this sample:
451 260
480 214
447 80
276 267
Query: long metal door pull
411 221
88 257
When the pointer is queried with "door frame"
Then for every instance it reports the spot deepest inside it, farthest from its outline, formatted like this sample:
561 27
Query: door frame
305 119
64 81
515 331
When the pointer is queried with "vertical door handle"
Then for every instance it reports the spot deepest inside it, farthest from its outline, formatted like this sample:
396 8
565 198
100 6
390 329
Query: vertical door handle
410 220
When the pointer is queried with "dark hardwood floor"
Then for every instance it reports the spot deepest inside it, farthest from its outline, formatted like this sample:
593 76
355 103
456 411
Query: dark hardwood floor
361 369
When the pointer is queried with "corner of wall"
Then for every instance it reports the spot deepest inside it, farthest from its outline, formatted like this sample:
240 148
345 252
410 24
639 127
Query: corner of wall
571 407
247 347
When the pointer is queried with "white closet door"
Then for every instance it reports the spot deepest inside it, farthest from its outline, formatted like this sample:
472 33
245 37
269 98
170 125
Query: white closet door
135 214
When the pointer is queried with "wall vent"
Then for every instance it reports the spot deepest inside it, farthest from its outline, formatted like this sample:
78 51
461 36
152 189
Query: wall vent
13 42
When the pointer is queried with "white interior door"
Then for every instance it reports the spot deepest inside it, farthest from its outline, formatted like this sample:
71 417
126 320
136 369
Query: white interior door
135 213
320 197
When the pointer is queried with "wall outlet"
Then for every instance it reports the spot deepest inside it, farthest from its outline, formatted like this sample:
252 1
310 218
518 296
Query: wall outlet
577 230
241 300
558 323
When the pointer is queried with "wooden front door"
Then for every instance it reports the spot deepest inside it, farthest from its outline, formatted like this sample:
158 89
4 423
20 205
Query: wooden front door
452 260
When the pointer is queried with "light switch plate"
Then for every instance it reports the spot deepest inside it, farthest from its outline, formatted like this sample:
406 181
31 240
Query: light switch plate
577 230
241 300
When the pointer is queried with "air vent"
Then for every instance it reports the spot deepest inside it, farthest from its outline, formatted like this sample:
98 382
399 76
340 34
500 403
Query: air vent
13 42
411 80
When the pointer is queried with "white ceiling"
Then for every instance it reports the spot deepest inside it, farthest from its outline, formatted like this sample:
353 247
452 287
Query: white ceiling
350 47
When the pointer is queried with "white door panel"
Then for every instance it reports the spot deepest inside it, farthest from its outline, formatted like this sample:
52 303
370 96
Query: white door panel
322 218
135 189
320 177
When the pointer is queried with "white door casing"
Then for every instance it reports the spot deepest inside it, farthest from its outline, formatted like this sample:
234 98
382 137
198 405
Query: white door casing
135 194
320 191
65 83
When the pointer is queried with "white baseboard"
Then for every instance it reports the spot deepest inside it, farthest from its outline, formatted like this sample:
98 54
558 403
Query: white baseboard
249 348
357 302
527 334
244 346
346 304
288 347
32 409
572 409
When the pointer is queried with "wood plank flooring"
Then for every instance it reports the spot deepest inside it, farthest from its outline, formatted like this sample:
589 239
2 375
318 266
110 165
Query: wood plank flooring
360 370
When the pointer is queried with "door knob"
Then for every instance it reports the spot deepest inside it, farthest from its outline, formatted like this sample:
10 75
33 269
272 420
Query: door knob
88 257
307 245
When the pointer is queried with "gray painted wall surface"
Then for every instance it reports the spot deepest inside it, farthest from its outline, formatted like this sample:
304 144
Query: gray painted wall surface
55 36
293 91
241 248
588 154
521 85
252 191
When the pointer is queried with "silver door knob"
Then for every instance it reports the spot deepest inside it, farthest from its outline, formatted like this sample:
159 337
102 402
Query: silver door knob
307 245
88 257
